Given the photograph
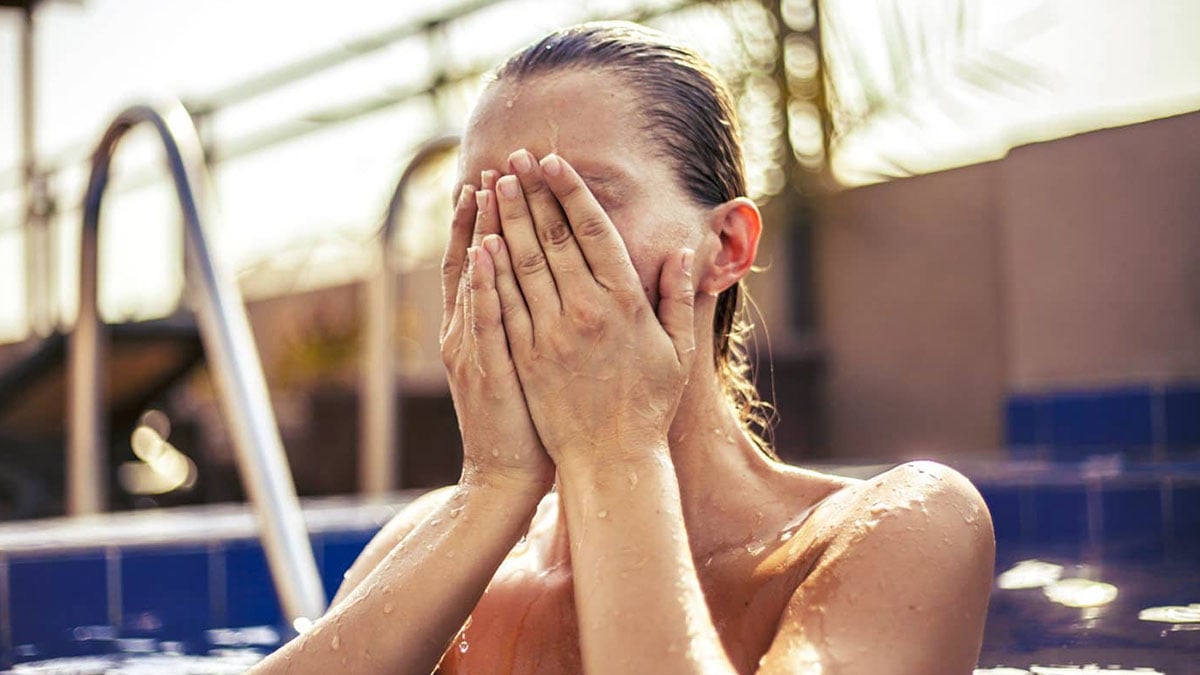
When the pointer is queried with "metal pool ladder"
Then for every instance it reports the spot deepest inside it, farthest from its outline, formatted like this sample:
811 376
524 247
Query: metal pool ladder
231 351
381 454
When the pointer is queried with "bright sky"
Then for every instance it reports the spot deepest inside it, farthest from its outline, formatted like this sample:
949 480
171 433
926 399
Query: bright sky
1100 63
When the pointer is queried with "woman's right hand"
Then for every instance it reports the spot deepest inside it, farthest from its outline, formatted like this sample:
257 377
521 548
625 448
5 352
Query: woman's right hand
501 448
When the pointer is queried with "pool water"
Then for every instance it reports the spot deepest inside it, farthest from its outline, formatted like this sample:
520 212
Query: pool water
1083 552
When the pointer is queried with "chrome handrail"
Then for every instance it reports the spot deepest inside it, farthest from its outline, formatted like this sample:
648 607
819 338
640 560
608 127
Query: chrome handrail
380 451
229 344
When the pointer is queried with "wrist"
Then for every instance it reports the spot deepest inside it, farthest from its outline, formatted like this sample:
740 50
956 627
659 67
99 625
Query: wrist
503 486
620 469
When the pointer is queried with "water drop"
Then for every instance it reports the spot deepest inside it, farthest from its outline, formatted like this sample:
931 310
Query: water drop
602 514
507 104
463 647
495 452
454 512
516 455
336 643
786 535
388 608
633 479
449 554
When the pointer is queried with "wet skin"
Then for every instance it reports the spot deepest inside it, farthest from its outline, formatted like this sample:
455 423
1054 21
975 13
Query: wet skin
800 571
672 544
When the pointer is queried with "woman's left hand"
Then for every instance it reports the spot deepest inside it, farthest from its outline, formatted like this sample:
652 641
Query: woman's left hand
601 373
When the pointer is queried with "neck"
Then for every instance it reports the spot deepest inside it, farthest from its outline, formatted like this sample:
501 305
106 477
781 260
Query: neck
724 479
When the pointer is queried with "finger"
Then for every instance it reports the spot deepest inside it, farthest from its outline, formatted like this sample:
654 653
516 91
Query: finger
458 316
598 239
487 218
487 179
517 324
676 298
491 345
553 231
529 262
456 251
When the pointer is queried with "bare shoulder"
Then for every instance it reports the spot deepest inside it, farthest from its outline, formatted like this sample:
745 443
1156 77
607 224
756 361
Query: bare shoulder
902 582
921 513
391 534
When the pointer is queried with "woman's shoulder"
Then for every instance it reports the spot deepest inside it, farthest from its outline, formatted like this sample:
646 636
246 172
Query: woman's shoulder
904 563
915 522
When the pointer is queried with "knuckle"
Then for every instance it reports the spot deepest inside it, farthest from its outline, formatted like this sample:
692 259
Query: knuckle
585 315
556 233
593 225
627 298
532 262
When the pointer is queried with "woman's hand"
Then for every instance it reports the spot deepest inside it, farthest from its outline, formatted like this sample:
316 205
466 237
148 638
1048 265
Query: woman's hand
602 375
500 446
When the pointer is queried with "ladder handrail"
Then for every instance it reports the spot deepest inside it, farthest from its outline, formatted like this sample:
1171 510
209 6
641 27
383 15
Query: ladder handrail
229 344
380 450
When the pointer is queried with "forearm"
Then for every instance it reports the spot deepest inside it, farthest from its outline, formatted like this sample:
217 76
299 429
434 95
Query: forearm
403 615
640 604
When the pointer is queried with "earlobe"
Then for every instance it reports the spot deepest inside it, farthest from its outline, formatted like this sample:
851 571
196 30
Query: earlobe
738 225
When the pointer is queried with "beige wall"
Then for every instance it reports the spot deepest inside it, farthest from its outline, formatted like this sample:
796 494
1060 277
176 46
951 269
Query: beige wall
1068 264
909 306
1102 248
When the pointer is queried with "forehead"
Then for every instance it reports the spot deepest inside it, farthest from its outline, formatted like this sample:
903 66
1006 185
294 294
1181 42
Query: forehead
588 117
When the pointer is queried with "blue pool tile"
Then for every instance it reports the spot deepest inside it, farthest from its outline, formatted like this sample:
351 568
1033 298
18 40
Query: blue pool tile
50 596
1025 421
1115 417
1132 513
1185 511
1060 514
250 598
165 592
338 552
1182 409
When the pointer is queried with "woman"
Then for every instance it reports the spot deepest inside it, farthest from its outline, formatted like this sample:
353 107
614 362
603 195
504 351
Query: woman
590 288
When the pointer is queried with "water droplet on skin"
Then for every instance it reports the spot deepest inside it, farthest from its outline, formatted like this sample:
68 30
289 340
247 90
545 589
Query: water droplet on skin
388 608
507 104
495 452
602 514
336 643
785 536
455 511
463 647
449 554
633 479
755 549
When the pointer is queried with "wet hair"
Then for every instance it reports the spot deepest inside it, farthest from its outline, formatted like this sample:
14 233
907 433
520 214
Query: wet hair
689 114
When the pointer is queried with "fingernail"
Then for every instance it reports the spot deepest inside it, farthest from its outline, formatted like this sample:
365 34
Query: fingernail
487 179
462 194
521 161
492 243
481 200
507 185
471 250
688 256
551 164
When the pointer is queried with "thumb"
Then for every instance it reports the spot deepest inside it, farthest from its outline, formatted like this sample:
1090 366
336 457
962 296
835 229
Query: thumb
676 299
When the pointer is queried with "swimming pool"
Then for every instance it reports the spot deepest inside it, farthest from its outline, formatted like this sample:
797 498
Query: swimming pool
1083 551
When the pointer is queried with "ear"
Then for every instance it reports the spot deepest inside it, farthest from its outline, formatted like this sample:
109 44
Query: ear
738 225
